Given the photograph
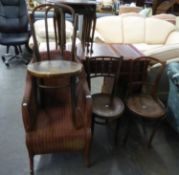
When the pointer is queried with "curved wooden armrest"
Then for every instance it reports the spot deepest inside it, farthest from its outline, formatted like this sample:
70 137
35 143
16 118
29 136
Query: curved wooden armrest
28 105
84 103
26 115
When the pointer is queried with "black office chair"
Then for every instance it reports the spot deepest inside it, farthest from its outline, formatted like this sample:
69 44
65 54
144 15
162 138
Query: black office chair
13 28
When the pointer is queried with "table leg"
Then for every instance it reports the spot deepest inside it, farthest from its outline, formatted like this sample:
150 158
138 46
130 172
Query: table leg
73 99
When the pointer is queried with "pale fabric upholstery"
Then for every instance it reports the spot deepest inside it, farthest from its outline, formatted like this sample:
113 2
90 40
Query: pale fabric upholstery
43 45
145 47
151 36
165 52
108 33
168 17
161 39
99 38
157 31
138 31
173 38
40 31
177 23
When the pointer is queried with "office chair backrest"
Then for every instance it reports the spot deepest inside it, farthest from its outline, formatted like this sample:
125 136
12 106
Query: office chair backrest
13 16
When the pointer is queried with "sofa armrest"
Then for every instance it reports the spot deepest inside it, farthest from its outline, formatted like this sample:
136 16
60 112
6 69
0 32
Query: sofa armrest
84 103
29 105
173 38
164 53
98 38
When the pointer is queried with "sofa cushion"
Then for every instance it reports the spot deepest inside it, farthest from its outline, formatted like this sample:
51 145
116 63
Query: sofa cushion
164 52
142 47
110 34
136 35
173 38
43 45
168 17
157 30
40 29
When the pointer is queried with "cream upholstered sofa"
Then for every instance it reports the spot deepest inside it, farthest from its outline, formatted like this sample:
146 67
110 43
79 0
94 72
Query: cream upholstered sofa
153 37
39 26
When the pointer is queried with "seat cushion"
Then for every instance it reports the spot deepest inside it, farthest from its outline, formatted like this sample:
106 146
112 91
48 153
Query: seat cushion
40 30
14 39
43 45
168 17
142 47
137 34
164 53
110 34
159 34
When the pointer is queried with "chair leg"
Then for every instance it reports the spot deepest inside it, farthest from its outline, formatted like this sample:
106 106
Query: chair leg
3 56
92 125
16 50
7 49
116 133
87 152
31 161
157 125
20 49
127 130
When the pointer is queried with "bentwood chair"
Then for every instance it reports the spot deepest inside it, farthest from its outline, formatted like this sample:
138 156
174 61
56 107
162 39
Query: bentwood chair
13 28
142 100
56 43
106 107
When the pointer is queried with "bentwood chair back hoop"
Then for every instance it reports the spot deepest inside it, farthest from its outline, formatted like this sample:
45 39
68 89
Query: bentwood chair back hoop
104 66
142 99
60 30
106 106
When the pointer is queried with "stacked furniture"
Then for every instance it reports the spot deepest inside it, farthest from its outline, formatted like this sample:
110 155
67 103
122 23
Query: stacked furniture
153 37
55 118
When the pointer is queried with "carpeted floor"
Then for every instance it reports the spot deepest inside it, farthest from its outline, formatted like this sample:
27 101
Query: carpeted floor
134 159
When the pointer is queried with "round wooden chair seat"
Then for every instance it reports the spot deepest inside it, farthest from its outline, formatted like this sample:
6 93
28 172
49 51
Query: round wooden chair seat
103 109
146 106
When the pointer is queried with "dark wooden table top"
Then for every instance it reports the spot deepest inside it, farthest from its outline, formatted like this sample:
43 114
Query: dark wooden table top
128 51
53 68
